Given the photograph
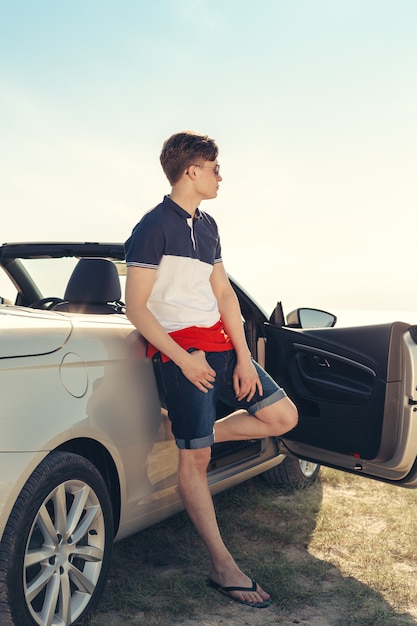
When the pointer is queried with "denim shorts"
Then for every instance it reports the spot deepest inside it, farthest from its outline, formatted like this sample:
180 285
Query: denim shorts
193 412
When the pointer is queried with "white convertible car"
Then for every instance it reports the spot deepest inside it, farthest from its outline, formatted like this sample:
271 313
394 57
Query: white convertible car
86 451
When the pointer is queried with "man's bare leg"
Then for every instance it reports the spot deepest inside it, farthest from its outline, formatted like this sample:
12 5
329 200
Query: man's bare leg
271 421
196 496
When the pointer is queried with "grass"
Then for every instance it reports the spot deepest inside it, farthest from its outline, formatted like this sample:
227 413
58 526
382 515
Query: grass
344 549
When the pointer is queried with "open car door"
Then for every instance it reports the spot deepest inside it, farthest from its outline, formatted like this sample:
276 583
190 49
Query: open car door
356 393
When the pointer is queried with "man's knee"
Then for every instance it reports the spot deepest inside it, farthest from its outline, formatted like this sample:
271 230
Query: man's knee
282 416
290 414
194 460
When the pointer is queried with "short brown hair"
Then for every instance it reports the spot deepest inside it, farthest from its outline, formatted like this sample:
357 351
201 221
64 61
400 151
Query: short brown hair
183 149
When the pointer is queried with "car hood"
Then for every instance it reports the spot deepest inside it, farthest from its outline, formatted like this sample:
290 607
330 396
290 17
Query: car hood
26 332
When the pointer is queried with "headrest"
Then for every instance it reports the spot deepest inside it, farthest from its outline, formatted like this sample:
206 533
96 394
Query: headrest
93 281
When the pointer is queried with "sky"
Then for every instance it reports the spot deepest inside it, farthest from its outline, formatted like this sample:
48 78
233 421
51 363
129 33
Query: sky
313 104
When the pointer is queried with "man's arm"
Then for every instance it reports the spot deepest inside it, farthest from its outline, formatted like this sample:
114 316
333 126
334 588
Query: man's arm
246 379
139 284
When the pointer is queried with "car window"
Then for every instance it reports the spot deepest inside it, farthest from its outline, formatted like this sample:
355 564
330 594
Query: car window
8 291
51 275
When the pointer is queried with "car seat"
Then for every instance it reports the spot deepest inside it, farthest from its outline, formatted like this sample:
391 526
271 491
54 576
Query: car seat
93 287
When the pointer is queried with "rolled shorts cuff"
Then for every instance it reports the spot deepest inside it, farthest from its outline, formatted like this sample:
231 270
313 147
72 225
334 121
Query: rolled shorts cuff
195 444
278 395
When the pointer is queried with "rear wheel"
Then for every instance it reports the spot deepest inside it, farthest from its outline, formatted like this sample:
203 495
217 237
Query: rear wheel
55 551
292 472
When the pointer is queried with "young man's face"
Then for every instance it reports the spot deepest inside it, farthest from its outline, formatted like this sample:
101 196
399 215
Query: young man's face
207 178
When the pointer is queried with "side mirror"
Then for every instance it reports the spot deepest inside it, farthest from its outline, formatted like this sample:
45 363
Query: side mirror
311 318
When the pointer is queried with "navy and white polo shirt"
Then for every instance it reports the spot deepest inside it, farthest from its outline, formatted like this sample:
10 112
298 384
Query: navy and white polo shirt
183 251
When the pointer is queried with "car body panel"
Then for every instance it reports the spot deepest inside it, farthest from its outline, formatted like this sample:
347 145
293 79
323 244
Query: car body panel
24 332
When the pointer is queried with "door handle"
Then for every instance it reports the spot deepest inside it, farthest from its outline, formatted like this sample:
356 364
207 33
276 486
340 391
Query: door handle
321 361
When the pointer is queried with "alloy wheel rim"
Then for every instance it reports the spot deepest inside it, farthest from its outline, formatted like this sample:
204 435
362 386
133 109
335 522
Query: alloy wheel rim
64 554
307 468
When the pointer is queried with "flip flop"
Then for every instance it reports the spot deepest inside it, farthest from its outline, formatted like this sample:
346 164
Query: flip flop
226 591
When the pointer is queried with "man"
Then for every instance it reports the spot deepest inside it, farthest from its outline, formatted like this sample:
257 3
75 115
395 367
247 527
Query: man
179 298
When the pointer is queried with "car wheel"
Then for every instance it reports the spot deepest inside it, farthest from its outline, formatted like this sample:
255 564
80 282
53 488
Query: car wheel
55 551
292 472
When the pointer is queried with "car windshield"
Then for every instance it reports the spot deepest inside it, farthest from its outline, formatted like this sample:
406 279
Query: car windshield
50 275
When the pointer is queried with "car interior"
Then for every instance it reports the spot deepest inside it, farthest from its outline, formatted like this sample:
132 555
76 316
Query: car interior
94 287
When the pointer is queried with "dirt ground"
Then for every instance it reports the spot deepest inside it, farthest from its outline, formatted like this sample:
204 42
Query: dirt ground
236 615
230 613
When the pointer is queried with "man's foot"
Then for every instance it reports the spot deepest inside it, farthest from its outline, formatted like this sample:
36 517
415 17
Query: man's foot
231 581
244 595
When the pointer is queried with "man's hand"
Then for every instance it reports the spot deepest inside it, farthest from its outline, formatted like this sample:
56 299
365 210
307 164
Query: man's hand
198 371
246 380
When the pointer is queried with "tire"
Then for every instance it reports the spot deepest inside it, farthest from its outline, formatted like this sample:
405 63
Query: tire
292 473
56 548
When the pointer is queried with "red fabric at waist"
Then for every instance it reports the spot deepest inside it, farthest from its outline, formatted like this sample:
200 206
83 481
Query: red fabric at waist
212 339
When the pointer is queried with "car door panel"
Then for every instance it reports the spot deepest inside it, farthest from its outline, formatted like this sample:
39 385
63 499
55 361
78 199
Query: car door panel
354 389
323 374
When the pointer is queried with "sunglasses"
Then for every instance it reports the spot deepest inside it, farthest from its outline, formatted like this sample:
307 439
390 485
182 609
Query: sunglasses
216 168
